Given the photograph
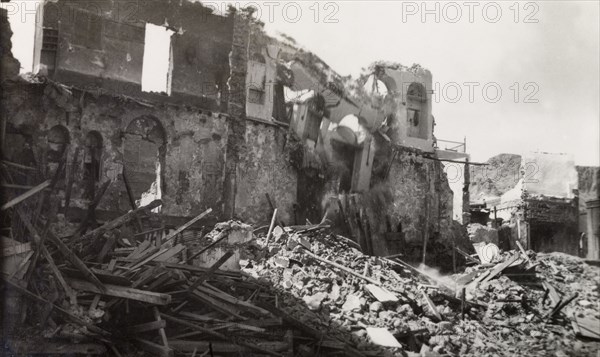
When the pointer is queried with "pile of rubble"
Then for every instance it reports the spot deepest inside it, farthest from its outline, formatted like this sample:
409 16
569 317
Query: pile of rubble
92 288
521 304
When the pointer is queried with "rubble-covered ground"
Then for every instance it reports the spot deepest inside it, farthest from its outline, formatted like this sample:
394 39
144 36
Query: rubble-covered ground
301 291
510 317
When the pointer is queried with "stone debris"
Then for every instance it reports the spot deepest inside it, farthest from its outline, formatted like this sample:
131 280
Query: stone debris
506 309
303 292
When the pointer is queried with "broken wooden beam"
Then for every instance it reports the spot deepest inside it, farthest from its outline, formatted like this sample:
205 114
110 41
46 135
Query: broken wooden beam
123 292
219 335
148 326
186 226
154 348
57 308
341 267
223 235
117 222
271 226
37 189
210 271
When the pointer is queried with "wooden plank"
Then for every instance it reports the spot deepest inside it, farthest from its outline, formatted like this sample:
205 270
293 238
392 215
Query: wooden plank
18 166
74 259
14 247
218 305
146 260
313 333
552 293
104 276
271 226
219 335
108 245
137 251
161 331
226 347
37 189
232 300
223 235
185 226
65 251
170 253
500 267
560 306
90 213
119 221
154 348
123 292
148 326
341 267
21 268
68 291
57 308
210 271
26 348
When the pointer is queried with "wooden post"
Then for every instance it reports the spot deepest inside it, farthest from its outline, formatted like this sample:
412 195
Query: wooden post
271 226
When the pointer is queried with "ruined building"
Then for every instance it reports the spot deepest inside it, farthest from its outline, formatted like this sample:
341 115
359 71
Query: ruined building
219 115
538 199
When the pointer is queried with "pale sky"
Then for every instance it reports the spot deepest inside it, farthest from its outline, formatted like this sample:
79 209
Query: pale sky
557 58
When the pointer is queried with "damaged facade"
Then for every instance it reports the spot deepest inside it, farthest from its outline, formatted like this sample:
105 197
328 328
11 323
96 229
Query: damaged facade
245 124
534 199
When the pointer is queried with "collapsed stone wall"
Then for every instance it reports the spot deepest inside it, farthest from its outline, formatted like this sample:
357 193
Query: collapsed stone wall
194 152
413 202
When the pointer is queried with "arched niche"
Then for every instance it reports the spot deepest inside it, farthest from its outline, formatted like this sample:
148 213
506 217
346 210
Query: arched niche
144 142
417 115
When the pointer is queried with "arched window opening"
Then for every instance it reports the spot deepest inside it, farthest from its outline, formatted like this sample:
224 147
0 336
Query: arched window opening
416 102
143 157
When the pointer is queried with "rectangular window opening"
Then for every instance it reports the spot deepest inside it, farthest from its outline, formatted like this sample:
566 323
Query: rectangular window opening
158 60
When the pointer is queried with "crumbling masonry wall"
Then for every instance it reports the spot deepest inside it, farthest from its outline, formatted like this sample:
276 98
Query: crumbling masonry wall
194 154
101 43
